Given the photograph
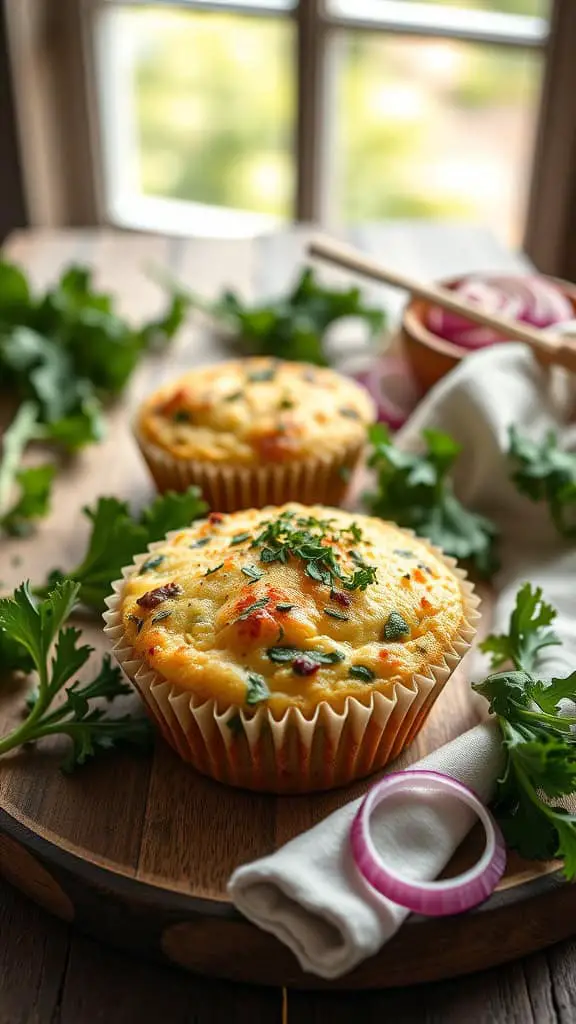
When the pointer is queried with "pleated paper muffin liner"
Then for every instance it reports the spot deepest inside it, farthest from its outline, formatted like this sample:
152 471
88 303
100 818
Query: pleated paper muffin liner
293 753
319 480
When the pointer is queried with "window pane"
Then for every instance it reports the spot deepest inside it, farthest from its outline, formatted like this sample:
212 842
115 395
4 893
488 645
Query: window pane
539 7
199 107
432 128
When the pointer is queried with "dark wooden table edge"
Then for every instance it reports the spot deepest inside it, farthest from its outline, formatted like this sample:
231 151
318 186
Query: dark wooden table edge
116 908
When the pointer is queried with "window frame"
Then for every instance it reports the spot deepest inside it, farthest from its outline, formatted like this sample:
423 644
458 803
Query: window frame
54 74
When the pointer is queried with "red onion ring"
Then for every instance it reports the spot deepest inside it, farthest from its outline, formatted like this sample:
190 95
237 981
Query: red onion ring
530 299
437 898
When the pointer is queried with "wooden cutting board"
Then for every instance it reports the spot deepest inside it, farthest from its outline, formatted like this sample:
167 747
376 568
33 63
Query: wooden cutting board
138 850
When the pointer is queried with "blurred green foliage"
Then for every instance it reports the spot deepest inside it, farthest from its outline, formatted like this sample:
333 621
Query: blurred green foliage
215 114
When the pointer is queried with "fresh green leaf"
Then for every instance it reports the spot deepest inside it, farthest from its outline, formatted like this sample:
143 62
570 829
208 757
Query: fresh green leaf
37 627
539 740
528 631
117 537
294 325
416 492
544 472
172 511
33 501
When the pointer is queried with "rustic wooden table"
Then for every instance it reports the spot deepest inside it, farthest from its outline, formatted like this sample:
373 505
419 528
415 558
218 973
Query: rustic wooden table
50 974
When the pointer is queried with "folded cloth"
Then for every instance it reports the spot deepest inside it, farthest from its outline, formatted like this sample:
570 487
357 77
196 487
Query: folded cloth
309 893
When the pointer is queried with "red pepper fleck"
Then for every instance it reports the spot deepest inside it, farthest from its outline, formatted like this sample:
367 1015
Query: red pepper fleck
175 402
215 517
384 655
152 598
304 666
340 598
425 603
152 651
419 576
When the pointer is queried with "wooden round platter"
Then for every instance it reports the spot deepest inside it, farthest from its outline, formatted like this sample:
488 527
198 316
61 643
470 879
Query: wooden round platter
138 850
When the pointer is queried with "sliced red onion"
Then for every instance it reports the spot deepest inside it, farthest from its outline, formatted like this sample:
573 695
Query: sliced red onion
394 390
529 299
438 898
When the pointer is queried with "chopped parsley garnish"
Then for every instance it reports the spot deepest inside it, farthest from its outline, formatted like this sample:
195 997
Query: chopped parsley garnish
161 615
345 473
403 552
257 689
261 603
336 614
252 572
210 572
262 376
362 672
286 403
201 543
234 396
350 413
152 563
286 655
285 607
396 627
312 540
181 416
137 622
239 538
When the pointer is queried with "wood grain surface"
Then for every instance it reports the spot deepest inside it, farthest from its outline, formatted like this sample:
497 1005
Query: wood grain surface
138 850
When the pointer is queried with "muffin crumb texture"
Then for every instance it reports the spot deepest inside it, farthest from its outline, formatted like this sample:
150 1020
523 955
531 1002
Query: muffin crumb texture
256 412
291 607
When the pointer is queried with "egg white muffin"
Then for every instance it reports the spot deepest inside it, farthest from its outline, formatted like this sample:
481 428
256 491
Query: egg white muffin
298 614
256 430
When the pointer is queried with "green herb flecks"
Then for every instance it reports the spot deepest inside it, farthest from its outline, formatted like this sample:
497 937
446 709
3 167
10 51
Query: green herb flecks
362 672
152 563
539 741
262 376
257 689
200 543
137 622
285 607
261 603
334 614
415 491
396 627
313 542
286 655
210 572
239 538
252 572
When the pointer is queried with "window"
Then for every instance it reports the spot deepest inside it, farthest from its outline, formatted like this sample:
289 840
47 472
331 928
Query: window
401 108
233 116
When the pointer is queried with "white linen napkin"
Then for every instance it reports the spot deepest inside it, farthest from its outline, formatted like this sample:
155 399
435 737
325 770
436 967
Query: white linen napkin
309 893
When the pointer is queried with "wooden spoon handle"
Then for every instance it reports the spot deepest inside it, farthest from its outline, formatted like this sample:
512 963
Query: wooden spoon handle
552 349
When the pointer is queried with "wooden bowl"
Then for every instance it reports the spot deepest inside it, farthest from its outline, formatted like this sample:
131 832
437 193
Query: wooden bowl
430 356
